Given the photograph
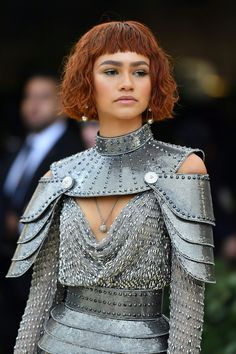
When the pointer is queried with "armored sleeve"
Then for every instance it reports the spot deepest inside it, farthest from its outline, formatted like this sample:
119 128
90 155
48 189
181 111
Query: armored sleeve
187 211
41 297
38 244
186 311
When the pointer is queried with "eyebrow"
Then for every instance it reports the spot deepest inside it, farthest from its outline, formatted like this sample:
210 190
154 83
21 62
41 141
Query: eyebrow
119 63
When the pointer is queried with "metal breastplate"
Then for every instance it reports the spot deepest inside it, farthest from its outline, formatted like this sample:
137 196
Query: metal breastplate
137 233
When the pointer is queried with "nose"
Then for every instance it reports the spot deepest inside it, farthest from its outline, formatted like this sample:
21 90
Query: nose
126 82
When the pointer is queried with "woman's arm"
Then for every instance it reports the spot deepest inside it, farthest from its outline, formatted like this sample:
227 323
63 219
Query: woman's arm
42 293
186 311
44 290
187 293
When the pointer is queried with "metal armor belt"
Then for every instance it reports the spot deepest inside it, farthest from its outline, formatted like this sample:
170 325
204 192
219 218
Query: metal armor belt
115 303
107 320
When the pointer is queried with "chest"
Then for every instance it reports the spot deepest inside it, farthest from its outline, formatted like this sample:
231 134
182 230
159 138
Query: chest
138 218
100 213
135 247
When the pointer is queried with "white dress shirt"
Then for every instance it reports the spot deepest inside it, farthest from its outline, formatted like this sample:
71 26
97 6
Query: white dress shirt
40 143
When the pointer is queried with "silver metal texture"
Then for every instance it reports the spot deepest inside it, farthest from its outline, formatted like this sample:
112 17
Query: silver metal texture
67 182
135 317
151 177
117 166
162 236
45 292
128 304
118 260
187 209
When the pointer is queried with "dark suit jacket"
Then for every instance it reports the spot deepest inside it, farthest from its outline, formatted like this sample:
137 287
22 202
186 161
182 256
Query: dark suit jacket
69 143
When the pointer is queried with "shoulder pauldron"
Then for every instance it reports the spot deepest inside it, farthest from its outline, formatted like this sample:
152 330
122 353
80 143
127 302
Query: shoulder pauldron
37 220
188 214
185 200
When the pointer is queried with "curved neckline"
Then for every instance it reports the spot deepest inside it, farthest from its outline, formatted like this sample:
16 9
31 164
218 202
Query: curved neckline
109 234
123 144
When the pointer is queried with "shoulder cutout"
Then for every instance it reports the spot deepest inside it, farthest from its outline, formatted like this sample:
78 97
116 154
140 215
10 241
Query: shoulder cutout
48 174
193 164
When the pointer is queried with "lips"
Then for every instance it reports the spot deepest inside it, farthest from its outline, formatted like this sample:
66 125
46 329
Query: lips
126 98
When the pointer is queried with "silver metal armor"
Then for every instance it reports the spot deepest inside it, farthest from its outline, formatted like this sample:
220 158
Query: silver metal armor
90 296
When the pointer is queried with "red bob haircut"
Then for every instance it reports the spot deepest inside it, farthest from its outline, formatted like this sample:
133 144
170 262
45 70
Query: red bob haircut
109 38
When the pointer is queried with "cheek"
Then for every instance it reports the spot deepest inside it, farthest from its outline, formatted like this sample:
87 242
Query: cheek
101 86
102 93
28 107
45 105
146 89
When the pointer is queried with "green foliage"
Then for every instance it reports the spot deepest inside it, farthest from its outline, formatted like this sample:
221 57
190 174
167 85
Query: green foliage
219 333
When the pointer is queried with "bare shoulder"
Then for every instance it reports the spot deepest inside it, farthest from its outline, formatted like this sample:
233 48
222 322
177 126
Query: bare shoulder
193 164
48 174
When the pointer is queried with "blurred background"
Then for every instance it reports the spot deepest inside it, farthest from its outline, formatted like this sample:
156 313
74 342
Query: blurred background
200 37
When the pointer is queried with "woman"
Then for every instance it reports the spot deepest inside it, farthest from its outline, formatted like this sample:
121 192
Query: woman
110 227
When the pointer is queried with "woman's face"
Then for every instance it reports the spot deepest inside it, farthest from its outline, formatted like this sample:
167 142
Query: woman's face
122 85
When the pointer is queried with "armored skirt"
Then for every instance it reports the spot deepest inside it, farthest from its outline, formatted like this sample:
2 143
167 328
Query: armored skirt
94 297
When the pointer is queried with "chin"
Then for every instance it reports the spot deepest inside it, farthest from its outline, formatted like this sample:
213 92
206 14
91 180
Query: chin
124 117
127 115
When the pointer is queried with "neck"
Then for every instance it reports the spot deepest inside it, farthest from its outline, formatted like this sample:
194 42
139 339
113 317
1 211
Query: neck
122 144
109 127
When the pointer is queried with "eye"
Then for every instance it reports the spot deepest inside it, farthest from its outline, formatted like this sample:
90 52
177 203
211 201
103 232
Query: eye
140 73
110 72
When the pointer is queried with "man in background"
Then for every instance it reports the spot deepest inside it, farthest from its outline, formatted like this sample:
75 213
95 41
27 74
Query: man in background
50 137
